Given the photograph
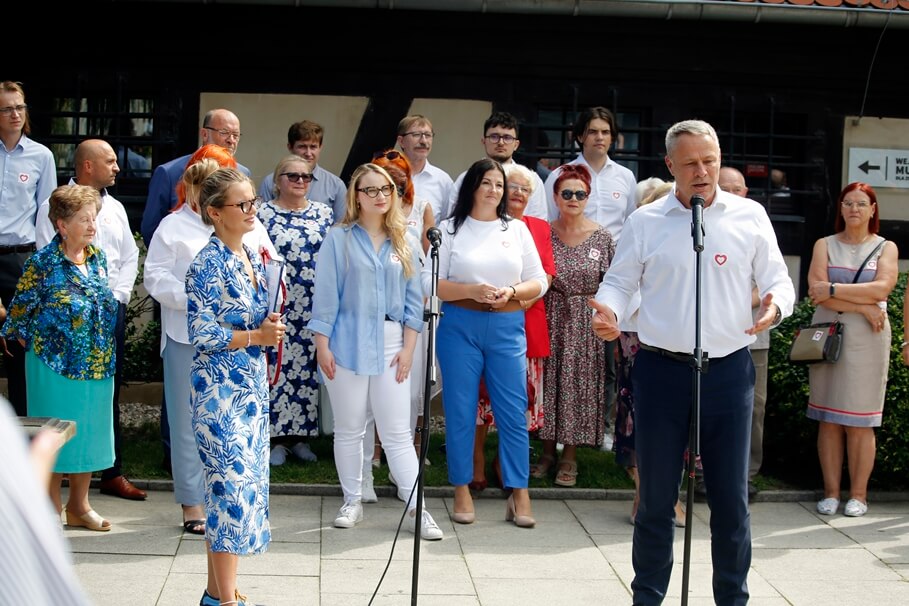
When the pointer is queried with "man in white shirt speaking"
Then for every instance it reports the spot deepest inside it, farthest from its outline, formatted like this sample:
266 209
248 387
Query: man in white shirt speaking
656 255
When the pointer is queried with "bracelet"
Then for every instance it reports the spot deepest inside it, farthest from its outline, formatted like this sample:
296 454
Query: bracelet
248 338
514 292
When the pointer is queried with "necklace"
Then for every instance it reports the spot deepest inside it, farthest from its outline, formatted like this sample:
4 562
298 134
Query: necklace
82 262
854 246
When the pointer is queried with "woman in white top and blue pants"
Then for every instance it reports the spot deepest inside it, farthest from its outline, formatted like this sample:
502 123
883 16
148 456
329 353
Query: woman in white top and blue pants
367 313
488 264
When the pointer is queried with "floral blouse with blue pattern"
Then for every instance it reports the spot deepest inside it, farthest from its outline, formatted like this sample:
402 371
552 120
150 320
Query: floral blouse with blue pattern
66 317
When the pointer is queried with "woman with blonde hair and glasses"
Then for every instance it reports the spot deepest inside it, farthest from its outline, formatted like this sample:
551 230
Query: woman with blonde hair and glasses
367 314
847 398
230 326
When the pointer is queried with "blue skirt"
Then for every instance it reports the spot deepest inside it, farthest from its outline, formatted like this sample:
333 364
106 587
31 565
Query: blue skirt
88 403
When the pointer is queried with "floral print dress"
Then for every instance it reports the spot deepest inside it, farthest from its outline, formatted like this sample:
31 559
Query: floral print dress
230 398
298 235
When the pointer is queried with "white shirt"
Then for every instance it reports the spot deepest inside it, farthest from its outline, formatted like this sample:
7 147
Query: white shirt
536 204
482 252
656 255
113 236
434 185
611 198
178 239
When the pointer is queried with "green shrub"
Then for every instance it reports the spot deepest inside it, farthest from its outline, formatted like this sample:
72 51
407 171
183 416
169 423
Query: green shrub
142 359
790 438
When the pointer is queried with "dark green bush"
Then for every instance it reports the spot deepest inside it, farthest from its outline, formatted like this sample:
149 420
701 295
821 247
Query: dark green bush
790 438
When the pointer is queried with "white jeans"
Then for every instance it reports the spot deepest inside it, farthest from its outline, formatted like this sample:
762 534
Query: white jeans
351 395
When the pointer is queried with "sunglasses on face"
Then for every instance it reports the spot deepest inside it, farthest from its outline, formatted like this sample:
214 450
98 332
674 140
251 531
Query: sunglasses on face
297 177
567 194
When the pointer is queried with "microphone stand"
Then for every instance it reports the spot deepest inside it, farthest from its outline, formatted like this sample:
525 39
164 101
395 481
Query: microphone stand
699 367
430 314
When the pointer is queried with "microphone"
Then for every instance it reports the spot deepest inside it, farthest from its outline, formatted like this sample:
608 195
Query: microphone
434 236
697 222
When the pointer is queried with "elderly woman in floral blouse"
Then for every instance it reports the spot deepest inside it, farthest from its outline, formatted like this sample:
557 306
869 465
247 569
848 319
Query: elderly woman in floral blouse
64 315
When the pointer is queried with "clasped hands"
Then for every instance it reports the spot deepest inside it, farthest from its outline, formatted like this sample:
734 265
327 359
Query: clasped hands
493 296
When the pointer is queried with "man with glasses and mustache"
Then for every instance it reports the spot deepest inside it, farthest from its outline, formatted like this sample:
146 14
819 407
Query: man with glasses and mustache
611 200
304 139
430 182
27 176
500 140
220 127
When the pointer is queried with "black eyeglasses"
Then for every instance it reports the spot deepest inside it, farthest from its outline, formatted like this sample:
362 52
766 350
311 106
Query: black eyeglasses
419 135
373 192
247 205
19 109
227 134
567 194
297 177
392 155
496 137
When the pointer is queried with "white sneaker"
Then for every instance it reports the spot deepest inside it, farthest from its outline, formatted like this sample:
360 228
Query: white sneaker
367 490
855 508
607 442
828 506
349 515
429 530
278 455
303 452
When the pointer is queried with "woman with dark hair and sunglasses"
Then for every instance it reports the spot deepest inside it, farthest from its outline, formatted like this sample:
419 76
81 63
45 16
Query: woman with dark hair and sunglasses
488 265
575 376
297 227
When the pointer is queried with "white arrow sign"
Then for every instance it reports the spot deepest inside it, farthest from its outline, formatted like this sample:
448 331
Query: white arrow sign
879 167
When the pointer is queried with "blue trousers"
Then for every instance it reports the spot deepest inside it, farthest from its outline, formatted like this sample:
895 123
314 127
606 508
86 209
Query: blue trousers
493 345
663 394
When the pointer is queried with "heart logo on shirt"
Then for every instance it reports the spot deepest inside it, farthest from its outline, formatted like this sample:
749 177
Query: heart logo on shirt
616 194
506 244
594 254
412 223
23 177
720 259
395 258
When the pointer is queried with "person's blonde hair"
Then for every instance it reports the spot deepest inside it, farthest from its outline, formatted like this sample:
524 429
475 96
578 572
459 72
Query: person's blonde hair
657 192
395 221
67 200
214 190
281 167
193 177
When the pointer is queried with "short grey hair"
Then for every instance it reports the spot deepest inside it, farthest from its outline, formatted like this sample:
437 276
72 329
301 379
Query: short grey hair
689 127
520 170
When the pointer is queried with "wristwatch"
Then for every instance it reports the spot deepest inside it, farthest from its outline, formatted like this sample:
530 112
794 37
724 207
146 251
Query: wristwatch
777 318
832 289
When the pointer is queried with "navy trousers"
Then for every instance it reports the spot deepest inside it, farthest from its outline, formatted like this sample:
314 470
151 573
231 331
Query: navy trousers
663 393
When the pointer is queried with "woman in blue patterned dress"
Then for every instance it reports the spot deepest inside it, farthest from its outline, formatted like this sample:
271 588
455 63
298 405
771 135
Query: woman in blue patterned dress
64 315
229 325
297 227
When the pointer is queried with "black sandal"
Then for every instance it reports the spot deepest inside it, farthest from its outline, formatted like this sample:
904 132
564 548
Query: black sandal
194 526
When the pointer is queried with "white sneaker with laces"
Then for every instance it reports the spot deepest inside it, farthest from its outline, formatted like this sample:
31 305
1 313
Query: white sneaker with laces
349 515
367 489
304 453
429 530
855 508
828 506
278 455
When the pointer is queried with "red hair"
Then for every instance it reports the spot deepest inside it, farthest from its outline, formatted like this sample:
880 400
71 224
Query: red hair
572 171
397 163
874 224
219 154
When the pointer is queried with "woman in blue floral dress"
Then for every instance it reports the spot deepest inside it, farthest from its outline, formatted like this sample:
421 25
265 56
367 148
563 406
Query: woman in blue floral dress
230 327
297 227
63 314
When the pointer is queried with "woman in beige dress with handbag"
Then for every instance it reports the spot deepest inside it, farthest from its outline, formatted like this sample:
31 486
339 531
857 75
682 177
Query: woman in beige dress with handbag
847 397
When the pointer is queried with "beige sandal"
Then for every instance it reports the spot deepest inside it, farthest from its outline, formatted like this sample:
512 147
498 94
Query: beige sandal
89 520
541 468
567 477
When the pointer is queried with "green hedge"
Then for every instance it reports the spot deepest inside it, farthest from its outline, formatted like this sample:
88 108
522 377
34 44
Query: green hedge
790 438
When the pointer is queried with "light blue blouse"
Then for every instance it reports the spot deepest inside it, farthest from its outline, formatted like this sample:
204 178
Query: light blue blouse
355 290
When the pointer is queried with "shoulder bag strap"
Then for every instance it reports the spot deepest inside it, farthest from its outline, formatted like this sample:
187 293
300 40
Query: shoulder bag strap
868 258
